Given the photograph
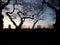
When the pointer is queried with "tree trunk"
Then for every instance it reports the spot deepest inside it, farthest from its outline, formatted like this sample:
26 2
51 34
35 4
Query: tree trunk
20 25
33 26
2 6
1 21
58 19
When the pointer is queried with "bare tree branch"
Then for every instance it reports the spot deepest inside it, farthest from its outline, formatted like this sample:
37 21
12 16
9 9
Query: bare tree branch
22 19
36 22
52 7
4 5
7 13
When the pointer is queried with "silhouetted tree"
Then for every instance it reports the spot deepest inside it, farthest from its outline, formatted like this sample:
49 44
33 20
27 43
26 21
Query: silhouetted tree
2 6
22 19
40 10
57 11
27 7
8 14
36 22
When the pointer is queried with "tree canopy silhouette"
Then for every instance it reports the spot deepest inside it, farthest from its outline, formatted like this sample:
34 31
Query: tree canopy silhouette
35 10
2 6
57 11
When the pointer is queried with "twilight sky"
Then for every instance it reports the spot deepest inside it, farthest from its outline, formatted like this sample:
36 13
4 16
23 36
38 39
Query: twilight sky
47 15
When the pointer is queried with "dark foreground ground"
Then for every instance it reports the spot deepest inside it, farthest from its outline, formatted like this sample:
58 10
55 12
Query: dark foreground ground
28 30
